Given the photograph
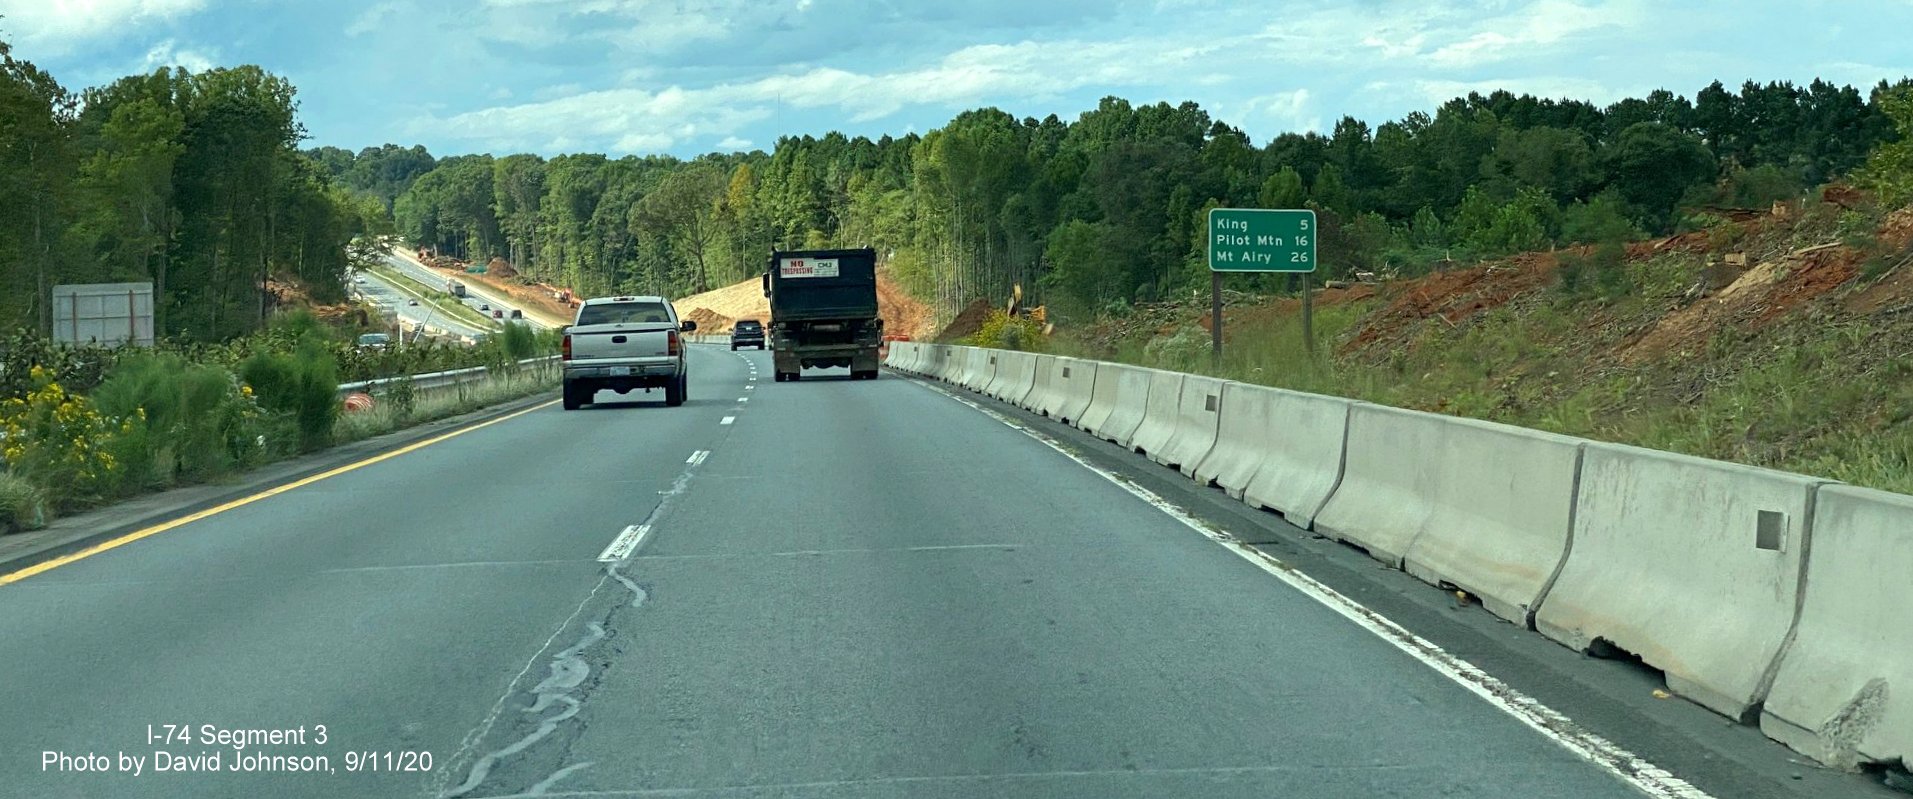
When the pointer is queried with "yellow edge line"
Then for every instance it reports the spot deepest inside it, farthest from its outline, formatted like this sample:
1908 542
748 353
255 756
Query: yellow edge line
44 566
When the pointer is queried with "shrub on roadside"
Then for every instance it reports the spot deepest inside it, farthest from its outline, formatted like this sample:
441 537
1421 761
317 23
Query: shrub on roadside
1005 332
78 367
302 387
1602 271
59 442
187 420
518 342
1182 350
22 506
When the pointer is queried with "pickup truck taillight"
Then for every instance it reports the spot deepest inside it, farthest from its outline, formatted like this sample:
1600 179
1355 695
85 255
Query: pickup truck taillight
673 345
566 347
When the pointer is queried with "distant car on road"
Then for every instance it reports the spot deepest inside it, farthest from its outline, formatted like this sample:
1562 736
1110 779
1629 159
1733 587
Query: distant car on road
359 279
746 333
484 306
517 313
623 343
413 301
374 341
498 314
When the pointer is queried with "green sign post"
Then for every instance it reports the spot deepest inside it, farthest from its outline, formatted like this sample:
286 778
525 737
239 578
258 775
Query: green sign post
1260 240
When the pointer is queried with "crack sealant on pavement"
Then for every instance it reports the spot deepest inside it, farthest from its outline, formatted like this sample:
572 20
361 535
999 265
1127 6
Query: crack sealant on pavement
568 669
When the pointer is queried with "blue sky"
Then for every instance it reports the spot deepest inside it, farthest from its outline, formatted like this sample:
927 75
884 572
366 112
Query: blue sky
692 76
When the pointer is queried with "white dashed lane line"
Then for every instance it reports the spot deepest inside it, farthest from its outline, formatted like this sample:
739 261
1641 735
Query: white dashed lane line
728 420
626 542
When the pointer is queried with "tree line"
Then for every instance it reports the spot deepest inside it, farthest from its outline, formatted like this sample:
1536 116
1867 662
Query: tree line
1109 208
192 181
196 182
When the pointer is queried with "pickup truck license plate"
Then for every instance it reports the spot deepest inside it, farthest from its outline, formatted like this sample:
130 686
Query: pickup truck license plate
620 371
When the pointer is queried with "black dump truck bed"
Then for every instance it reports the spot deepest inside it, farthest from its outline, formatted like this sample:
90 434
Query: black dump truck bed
822 284
824 312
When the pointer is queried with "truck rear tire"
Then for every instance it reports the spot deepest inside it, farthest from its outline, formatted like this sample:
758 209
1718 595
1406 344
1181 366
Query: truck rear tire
573 400
674 393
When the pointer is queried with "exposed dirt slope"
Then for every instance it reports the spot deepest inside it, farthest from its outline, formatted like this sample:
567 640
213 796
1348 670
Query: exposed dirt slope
1775 339
901 313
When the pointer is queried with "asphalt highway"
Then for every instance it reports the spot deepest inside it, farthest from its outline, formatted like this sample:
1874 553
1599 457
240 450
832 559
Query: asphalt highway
388 296
829 588
476 296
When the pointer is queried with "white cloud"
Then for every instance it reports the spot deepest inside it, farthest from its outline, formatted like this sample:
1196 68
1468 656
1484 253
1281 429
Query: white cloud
58 26
1283 112
168 54
642 119
1536 25
634 25
734 143
372 18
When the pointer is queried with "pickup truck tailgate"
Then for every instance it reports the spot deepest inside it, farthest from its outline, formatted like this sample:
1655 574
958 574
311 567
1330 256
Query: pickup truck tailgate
621 341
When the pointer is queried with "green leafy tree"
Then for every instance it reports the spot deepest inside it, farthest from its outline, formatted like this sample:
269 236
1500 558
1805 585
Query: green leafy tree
1284 190
685 211
1890 170
1653 166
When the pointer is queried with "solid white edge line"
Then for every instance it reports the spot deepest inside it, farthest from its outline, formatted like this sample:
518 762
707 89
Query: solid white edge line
1554 725
626 543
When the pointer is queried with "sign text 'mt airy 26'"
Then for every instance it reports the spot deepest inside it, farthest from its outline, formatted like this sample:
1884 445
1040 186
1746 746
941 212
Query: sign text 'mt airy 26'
1261 240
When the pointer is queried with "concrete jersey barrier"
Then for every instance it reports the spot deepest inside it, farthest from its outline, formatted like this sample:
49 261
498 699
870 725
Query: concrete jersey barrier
1076 389
1160 415
1483 507
945 362
998 373
1062 383
1693 565
902 355
1015 376
925 352
1198 416
1276 449
1497 502
1043 386
1844 692
927 364
1117 403
978 368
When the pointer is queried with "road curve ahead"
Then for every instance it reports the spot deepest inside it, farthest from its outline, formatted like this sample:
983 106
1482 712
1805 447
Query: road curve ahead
829 588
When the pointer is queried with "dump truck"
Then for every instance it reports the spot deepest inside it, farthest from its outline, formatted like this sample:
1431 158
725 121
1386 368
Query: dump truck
455 288
823 312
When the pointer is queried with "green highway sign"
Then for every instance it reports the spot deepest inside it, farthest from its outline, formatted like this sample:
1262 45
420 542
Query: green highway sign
1261 240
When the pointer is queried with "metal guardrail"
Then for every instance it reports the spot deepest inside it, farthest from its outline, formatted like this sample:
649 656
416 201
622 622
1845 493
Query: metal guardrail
435 380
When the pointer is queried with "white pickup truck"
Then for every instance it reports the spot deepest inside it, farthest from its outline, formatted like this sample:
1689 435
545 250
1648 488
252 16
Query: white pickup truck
623 343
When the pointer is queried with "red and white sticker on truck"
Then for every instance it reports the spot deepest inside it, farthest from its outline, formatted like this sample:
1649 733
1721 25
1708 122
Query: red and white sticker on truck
807 267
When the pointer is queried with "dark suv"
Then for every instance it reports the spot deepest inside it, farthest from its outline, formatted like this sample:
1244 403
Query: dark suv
747 332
